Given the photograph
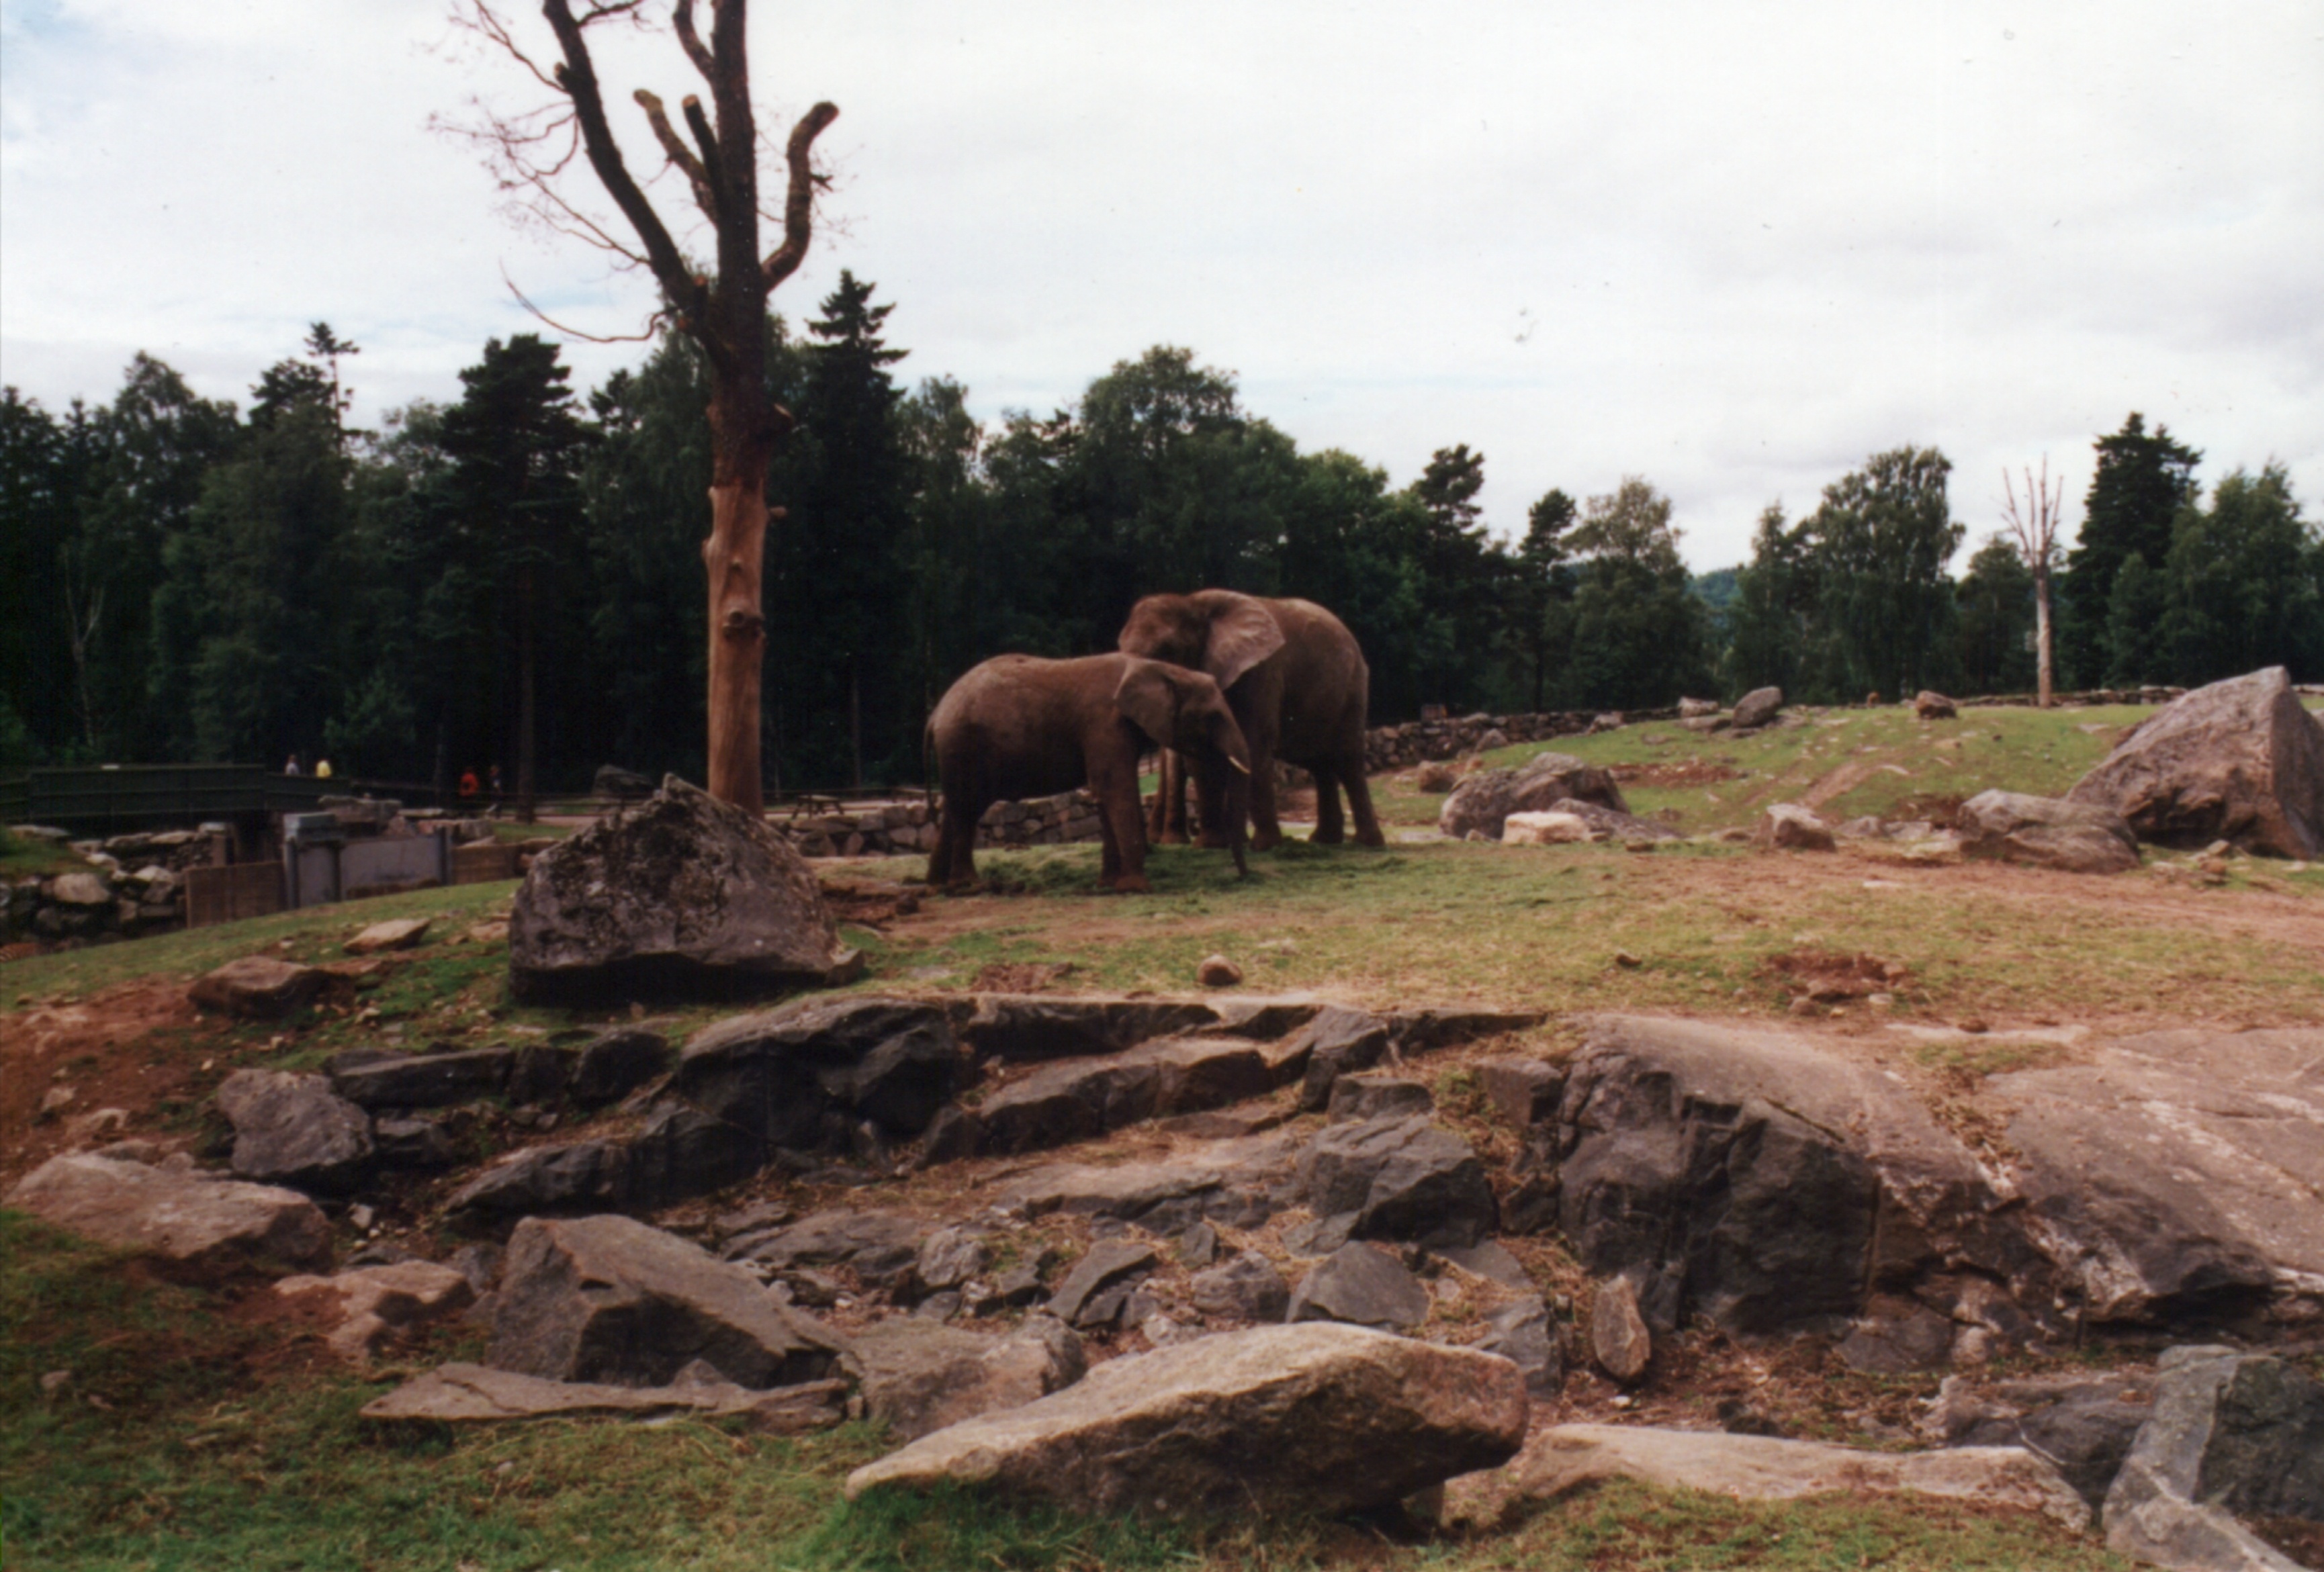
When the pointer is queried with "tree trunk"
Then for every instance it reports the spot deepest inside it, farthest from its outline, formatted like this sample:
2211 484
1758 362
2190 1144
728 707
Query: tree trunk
2042 634
855 721
524 707
734 556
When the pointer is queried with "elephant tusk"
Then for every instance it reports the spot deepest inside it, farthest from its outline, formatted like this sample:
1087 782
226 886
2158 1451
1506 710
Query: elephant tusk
1240 765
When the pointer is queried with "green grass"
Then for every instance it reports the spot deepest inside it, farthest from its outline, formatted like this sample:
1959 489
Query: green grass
23 857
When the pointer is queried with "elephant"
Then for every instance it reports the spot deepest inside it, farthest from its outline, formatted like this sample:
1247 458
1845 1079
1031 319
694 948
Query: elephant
1020 726
1297 684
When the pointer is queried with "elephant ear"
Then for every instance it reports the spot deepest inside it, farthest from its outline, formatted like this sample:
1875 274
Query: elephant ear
1243 632
1148 700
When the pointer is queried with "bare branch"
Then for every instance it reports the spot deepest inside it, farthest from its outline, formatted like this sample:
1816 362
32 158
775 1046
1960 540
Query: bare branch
706 194
798 205
654 324
691 42
698 124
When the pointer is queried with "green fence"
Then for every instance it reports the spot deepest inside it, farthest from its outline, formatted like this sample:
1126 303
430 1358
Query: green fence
114 800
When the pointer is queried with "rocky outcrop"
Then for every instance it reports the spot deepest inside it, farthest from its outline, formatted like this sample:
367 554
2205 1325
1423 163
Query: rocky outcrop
803 1075
1076 1100
2047 832
293 1129
2240 760
1018 1027
2231 1435
181 1218
1279 1419
1484 802
1363 1286
1394 1179
379 1079
917 1376
461 1393
258 988
610 1299
683 895
1231 1181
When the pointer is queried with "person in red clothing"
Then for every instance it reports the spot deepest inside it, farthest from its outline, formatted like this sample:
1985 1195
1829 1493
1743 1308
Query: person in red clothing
467 784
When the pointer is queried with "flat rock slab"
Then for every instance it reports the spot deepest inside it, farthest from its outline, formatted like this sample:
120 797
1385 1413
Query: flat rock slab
1078 1100
2179 1165
375 1302
461 1393
682 895
1224 1179
422 1080
294 1130
1016 1027
1308 1418
919 1376
608 1298
258 988
2239 761
2047 832
399 934
802 1076
1362 1286
181 1218
1563 1458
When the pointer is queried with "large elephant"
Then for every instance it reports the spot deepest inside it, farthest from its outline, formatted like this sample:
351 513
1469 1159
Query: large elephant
1299 687
1019 726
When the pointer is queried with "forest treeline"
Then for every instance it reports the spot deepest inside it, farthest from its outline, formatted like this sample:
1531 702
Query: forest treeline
188 581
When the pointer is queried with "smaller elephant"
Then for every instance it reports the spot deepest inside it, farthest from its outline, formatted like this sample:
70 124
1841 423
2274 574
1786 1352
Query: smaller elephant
1019 726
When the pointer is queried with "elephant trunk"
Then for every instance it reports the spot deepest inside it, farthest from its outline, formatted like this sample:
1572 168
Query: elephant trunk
1238 816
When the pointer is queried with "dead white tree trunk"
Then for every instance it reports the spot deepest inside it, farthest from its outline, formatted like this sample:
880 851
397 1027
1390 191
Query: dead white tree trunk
2034 524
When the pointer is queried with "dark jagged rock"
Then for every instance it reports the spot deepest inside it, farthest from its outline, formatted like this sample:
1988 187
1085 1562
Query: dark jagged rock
1095 1291
683 896
422 1081
2231 1435
585 1176
1522 1333
1075 1099
1363 1286
683 1152
791 1076
881 1247
1363 1097
1484 802
1524 1091
291 1129
1018 1027
1245 1289
1338 1042
418 1144
2085 1430
613 1065
2240 760
1397 1179
607 1299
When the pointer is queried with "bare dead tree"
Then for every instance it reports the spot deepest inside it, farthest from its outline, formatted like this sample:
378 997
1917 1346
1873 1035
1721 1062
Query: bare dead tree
2034 524
532 154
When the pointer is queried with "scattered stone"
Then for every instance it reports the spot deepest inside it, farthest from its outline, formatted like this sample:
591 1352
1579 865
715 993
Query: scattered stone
1756 708
2240 760
1565 1458
1618 1338
461 1393
1218 971
1245 1289
682 894
55 1101
1930 705
1377 1096
2231 1435
1336 1042
397 933
1789 827
375 1302
608 1298
1484 802
1544 829
1696 708
1490 1261
292 1129
585 1176
256 987
79 888
1276 1419
2047 832
1363 1286
1397 1179
1522 1333
950 1257
919 1376
186 1220
1094 1291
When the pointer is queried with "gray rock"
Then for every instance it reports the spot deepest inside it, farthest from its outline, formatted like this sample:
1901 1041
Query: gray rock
1230 1181
1524 1091
1899 1337
682 895
1364 1286
2239 761
1338 1042
1363 1097
2230 1434
1297 1421
794 1076
950 1257
2085 1430
1245 1289
682 1152
190 1224
291 1129
880 1247
422 1080
1619 1339
1484 801
1095 1291
1490 1261
1932 706
582 1176
607 1299
2047 832
613 1065
1756 708
1397 1179
1522 1333
1075 1100
461 1393
420 1144
1017 1028
919 1376
1610 824
259 987
1789 827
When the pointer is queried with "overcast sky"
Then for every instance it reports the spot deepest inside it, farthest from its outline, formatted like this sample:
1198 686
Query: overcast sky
1733 248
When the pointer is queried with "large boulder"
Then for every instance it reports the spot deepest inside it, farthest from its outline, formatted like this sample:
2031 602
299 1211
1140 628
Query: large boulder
1484 802
1757 707
681 895
2240 760
1789 827
258 988
2176 1173
177 1216
1312 1418
919 1376
2047 832
608 1298
293 1129
2231 1435
800 1076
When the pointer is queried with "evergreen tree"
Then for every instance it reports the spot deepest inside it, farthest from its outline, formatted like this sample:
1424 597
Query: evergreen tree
2141 483
43 465
1772 622
1637 627
2243 588
1996 620
1882 536
1543 583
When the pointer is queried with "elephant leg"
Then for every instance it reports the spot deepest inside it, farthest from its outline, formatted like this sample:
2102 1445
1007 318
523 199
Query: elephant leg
1360 803
1166 825
1121 866
1265 830
953 864
1329 829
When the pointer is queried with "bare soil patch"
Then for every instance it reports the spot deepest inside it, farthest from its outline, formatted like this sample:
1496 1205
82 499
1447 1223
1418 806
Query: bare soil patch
1827 978
1677 773
1020 976
140 1047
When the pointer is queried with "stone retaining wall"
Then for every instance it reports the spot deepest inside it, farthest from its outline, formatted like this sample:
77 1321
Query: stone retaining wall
908 829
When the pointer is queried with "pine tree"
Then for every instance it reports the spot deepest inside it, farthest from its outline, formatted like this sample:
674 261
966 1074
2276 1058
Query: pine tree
2135 494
